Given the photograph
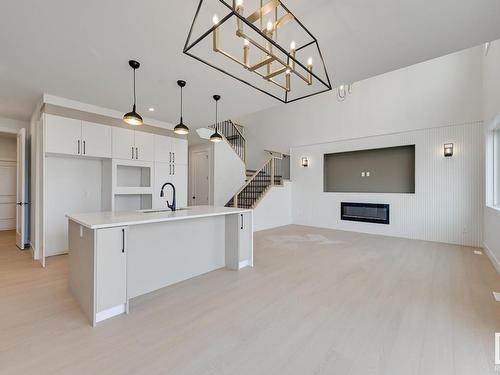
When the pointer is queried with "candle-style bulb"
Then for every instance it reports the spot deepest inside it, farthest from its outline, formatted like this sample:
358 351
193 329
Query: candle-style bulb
215 19
293 45
309 61
246 42
239 3
270 26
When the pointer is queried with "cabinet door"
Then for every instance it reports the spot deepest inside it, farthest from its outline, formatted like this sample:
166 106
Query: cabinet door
63 135
96 140
144 146
163 149
111 268
180 151
180 182
163 173
123 143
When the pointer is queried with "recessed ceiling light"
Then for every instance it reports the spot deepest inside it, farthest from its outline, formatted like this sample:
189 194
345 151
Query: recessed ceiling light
151 109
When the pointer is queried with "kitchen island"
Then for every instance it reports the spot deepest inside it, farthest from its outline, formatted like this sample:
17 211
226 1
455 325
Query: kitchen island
116 256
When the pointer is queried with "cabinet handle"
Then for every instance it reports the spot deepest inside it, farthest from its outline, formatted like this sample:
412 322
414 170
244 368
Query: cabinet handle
173 169
136 154
78 147
170 157
84 152
170 169
123 240
241 221
173 157
132 152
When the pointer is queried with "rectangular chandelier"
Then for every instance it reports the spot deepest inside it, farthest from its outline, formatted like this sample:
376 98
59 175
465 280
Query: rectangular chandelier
260 43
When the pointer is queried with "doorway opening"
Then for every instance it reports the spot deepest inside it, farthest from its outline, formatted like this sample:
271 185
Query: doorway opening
13 193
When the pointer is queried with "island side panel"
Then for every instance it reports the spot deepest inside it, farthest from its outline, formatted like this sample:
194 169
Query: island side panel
161 254
232 240
81 267
246 240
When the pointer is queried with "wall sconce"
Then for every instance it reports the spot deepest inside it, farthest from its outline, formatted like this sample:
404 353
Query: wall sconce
448 149
304 162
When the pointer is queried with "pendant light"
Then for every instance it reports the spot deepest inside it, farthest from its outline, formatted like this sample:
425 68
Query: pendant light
133 118
180 128
216 137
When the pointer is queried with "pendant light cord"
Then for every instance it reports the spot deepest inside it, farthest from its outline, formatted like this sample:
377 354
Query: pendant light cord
181 103
134 90
216 120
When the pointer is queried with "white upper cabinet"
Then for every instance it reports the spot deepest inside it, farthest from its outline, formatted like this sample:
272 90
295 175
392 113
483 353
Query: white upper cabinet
63 135
144 146
163 149
96 140
180 151
123 143
133 144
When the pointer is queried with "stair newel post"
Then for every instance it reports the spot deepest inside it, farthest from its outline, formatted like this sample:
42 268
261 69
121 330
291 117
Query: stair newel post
272 171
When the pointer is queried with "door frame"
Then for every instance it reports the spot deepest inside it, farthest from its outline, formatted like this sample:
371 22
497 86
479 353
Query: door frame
191 181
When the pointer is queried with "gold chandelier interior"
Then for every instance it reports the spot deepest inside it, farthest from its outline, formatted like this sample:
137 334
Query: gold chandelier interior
270 66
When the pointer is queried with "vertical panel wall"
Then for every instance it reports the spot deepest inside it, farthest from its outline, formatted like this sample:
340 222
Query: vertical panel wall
448 202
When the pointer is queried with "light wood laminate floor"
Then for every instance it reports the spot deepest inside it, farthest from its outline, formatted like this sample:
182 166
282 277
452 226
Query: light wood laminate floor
317 302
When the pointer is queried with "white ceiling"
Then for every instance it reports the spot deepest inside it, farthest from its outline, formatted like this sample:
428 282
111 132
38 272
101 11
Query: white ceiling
79 49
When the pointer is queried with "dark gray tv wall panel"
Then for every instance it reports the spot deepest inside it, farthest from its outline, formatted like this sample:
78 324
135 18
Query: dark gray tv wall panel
391 170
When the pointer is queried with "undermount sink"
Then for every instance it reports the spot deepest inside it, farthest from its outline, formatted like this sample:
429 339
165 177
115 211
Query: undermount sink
162 210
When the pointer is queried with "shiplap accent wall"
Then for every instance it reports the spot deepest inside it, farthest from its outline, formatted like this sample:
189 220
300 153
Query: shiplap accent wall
449 192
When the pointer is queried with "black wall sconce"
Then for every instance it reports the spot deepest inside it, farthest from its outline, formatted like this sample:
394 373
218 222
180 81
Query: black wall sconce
448 149
304 162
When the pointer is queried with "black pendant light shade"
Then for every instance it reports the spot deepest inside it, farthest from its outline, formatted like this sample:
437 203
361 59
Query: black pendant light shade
180 128
216 137
133 118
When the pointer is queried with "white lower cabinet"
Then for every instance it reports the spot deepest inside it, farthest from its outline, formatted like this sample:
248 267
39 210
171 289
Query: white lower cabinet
111 272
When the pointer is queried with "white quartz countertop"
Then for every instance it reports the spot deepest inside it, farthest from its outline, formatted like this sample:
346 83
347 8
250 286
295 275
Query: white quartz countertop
96 220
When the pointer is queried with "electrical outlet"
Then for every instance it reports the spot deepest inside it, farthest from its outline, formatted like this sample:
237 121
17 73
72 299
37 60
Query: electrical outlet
477 252
497 296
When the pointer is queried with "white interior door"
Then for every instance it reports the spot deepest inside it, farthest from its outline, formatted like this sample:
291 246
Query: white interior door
200 187
21 201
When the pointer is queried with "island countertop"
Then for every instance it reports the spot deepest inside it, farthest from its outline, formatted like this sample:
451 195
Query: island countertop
108 219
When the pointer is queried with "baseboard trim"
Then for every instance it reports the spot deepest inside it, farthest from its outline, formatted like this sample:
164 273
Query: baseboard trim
243 264
493 258
109 313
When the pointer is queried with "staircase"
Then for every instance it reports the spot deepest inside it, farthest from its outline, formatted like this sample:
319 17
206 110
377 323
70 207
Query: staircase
258 182
234 136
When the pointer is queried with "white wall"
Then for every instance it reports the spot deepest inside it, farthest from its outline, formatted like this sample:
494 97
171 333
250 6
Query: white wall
8 155
491 109
274 210
228 173
446 206
72 186
446 90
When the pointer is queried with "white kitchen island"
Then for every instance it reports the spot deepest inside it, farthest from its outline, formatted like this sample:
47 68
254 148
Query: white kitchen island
116 256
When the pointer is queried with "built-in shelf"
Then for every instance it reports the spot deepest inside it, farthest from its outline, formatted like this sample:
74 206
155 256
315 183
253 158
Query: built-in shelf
133 176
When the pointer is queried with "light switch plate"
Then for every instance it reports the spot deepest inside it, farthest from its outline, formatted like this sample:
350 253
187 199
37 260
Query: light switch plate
477 252
367 174
362 174
497 296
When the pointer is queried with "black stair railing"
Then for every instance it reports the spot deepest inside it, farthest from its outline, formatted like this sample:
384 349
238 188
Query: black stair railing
270 174
233 135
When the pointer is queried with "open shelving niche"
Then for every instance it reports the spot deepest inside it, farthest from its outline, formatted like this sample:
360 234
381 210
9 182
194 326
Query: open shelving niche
131 185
